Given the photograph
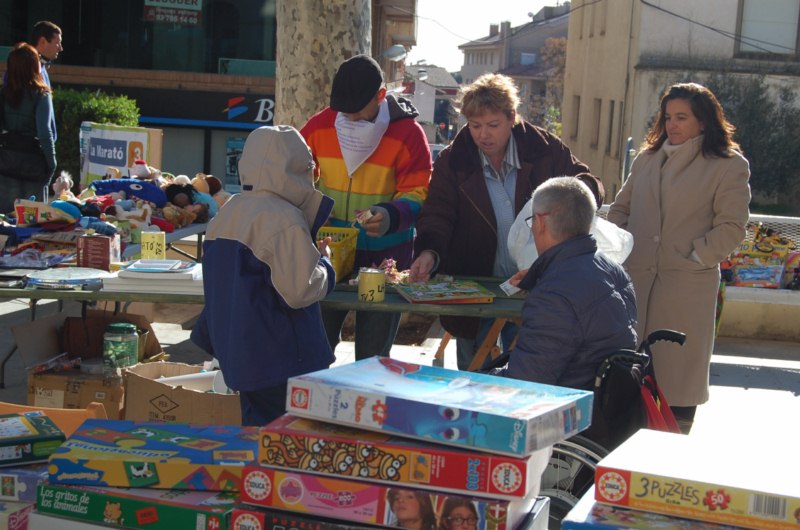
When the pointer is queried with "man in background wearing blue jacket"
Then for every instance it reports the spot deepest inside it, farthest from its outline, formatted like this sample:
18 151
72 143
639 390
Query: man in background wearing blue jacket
264 275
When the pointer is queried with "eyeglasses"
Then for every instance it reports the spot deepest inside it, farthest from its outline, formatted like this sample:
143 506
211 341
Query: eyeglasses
529 220
471 521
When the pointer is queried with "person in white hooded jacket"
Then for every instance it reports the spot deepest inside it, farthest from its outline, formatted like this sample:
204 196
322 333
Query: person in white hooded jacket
264 275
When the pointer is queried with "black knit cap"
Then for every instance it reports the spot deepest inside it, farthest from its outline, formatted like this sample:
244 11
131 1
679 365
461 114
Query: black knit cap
356 82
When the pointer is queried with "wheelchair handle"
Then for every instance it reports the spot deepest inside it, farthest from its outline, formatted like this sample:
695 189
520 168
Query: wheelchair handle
664 334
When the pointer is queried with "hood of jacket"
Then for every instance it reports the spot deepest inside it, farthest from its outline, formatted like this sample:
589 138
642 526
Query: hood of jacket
400 108
276 160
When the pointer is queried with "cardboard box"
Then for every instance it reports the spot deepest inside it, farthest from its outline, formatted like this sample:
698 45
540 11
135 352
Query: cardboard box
73 389
14 515
98 251
47 337
591 515
149 400
19 483
465 409
253 518
41 521
149 509
299 444
132 454
27 438
720 481
362 502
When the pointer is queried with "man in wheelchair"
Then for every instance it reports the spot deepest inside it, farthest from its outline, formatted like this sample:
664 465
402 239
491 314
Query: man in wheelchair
580 306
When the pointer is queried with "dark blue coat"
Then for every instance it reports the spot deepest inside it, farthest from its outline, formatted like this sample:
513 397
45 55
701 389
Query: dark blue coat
580 308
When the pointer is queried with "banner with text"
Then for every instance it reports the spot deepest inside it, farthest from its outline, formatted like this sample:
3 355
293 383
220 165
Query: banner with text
103 145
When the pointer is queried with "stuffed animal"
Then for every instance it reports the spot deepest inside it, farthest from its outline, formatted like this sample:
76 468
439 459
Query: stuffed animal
141 189
62 187
177 216
211 185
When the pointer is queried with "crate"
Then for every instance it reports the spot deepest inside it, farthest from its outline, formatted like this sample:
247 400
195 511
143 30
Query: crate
343 248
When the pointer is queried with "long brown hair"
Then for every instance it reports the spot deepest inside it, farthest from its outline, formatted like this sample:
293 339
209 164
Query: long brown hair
717 130
24 74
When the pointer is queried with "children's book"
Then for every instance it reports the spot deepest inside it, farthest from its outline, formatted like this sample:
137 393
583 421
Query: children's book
465 409
27 438
300 444
438 291
724 482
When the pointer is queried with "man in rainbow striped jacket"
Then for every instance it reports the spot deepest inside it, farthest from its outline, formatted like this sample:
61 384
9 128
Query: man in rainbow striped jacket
373 159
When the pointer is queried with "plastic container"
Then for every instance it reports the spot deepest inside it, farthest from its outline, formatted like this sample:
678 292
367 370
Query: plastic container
120 347
343 249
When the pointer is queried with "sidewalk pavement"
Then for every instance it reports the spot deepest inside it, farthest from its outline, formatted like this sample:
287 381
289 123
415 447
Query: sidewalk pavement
755 385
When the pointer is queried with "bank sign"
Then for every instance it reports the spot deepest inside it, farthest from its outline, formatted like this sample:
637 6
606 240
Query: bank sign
186 108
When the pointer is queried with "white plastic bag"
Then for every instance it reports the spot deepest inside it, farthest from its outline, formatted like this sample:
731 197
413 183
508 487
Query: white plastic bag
615 242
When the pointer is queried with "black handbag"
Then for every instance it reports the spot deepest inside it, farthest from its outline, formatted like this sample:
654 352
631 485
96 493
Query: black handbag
21 156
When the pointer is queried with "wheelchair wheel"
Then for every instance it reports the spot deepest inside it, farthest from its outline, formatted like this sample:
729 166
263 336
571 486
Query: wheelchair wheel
569 474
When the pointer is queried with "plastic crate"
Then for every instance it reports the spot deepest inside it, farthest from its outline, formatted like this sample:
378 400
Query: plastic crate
343 249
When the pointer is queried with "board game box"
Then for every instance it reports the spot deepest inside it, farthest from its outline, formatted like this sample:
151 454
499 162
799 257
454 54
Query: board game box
479 411
19 483
591 515
150 509
257 518
364 502
154 455
14 515
300 444
724 482
27 438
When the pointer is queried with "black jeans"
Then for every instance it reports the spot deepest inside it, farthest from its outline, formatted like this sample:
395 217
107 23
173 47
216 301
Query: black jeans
375 331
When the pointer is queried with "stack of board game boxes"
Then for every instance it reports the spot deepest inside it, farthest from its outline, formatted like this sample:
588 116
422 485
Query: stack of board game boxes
383 442
26 441
140 475
665 480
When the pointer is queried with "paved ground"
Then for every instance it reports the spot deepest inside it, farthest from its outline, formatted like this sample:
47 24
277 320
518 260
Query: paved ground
755 391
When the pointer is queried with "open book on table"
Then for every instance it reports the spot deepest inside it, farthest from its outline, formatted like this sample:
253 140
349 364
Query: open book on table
438 291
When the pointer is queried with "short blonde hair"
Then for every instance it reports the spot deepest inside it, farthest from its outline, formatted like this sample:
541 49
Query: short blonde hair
490 92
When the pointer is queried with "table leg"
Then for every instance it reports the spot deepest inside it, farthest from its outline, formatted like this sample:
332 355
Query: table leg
438 359
3 366
489 345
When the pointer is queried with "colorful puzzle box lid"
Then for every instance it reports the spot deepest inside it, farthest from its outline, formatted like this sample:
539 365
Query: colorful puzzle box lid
494 414
27 438
716 480
149 509
154 455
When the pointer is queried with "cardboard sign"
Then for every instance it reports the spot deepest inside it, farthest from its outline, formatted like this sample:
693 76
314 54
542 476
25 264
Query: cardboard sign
105 145
154 245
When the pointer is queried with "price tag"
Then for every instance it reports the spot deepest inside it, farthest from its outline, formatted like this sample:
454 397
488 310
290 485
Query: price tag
154 245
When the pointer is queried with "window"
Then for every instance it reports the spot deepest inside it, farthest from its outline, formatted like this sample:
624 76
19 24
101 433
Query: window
769 27
610 132
527 59
598 105
576 112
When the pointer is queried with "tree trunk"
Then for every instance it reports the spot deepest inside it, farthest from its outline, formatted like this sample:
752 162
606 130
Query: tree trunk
314 37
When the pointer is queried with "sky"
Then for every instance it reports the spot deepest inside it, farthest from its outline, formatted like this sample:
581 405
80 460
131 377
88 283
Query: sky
443 25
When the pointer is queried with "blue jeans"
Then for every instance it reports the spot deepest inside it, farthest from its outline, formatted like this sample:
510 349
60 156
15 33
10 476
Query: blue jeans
467 348
375 331
261 406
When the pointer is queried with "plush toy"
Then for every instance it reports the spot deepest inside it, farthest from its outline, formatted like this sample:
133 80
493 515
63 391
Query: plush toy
113 173
179 217
180 194
213 186
182 180
141 189
62 187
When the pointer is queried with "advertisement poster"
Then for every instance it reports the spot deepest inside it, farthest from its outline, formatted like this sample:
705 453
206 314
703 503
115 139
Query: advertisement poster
184 12
234 153
104 145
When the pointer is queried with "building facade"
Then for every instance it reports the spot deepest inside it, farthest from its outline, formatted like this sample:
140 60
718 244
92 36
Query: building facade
203 71
622 54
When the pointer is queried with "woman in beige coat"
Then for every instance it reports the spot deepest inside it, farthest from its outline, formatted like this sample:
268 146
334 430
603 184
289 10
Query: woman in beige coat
686 204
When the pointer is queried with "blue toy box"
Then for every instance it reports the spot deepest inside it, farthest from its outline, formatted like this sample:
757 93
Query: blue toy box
484 412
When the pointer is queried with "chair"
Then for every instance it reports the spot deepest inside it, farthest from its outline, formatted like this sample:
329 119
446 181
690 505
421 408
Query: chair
68 420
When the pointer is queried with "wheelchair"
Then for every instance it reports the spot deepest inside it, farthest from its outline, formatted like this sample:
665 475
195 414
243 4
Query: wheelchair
626 398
